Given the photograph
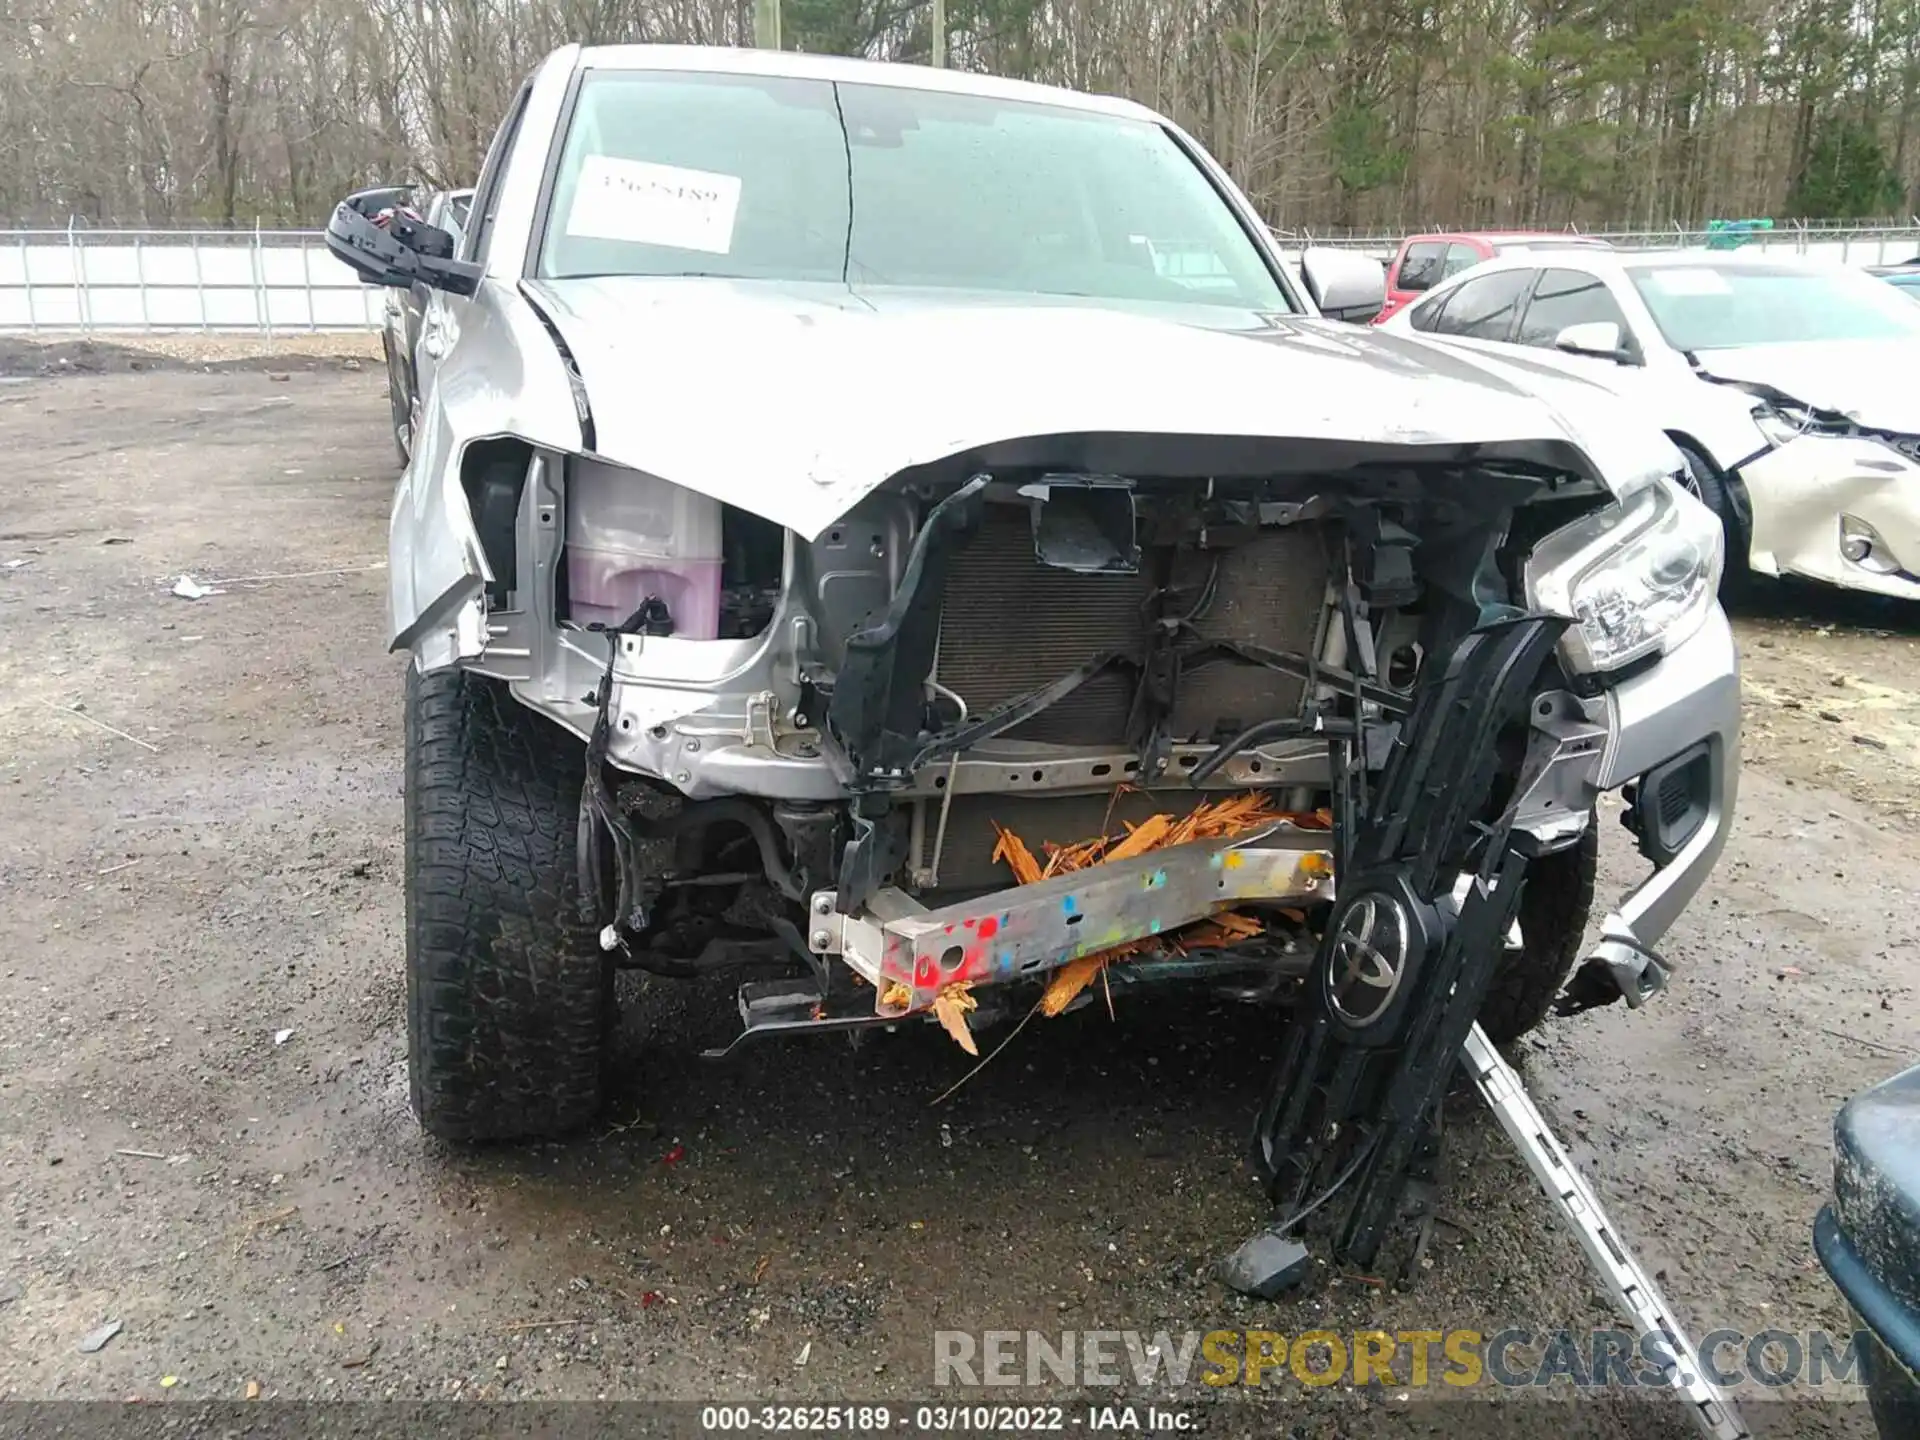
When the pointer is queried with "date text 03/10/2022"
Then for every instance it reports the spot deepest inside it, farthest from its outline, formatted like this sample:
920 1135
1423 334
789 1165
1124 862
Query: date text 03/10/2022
945 1419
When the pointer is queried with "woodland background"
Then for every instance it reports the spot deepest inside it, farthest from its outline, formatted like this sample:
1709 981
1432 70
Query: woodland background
1333 114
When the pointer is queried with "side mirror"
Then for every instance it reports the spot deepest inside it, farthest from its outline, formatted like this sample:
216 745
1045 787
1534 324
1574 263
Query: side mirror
1600 339
1345 284
404 253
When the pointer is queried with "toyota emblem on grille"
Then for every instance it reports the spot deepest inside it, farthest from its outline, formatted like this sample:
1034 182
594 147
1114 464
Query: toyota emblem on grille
1369 958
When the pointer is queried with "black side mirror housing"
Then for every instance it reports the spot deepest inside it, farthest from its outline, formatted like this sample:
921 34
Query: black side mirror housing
407 252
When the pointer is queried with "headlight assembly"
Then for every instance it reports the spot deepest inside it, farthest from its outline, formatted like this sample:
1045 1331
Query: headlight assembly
1638 576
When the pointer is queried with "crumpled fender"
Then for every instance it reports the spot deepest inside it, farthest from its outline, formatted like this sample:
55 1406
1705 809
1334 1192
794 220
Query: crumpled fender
502 375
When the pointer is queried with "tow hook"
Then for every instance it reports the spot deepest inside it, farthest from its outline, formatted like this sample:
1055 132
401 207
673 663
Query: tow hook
1619 967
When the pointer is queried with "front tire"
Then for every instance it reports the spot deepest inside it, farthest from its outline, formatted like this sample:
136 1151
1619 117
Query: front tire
510 1010
1554 908
1710 488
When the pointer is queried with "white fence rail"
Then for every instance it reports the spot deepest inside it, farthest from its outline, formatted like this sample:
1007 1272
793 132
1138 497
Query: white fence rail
263 281
283 281
1841 242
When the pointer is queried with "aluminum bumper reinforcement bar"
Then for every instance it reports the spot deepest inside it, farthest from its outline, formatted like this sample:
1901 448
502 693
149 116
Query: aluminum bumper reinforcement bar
1030 929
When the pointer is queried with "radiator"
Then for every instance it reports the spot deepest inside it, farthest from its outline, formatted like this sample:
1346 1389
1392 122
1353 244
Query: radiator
1010 624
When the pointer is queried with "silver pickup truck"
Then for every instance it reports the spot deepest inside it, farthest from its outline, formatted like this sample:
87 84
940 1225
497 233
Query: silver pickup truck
831 472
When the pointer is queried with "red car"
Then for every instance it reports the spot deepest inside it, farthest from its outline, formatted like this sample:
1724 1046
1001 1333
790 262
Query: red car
1425 260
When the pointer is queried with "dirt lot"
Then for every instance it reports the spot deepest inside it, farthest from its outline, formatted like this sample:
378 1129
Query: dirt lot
258 1206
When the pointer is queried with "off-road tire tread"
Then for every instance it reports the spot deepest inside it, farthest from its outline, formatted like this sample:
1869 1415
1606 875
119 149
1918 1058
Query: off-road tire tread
509 998
1553 922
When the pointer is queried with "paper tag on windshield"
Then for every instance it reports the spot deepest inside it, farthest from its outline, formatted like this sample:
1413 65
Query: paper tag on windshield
1684 280
650 204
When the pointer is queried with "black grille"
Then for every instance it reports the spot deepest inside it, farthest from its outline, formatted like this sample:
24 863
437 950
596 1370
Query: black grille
1676 797
1011 624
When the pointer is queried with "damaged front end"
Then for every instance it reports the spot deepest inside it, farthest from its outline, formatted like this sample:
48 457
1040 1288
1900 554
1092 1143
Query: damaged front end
1831 496
807 753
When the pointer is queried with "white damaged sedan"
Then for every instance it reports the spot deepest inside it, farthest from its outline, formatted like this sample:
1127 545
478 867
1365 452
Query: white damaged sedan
1790 384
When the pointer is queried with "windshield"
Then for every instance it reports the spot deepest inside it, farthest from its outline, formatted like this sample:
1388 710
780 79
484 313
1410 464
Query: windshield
1716 307
756 177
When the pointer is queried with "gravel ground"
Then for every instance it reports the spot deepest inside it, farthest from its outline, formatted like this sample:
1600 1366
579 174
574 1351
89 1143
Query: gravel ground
203 1123
60 355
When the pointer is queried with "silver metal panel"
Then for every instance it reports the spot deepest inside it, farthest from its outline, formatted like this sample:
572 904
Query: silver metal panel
1693 694
1031 929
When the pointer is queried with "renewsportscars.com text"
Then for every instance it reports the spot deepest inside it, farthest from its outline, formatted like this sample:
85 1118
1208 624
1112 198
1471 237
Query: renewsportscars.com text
1457 1359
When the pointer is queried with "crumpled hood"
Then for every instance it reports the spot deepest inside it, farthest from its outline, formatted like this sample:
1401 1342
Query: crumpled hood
794 401
1873 382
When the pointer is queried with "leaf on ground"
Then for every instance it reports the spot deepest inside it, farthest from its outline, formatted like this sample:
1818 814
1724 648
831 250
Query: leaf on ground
950 1008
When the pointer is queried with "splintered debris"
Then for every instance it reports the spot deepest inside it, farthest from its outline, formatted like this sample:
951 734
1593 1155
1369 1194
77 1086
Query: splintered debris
1215 820
271 1220
1068 981
94 1341
78 713
951 1008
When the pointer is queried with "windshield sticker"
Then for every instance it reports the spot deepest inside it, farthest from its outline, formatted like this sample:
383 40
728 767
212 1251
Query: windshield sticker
1689 281
649 204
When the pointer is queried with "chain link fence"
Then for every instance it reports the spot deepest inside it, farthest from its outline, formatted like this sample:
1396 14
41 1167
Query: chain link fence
284 281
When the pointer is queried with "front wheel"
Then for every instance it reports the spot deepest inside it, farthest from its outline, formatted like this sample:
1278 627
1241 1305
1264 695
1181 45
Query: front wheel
1707 485
1553 921
510 1001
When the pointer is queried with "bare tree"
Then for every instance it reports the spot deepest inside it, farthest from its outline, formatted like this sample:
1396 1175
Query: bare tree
1331 113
